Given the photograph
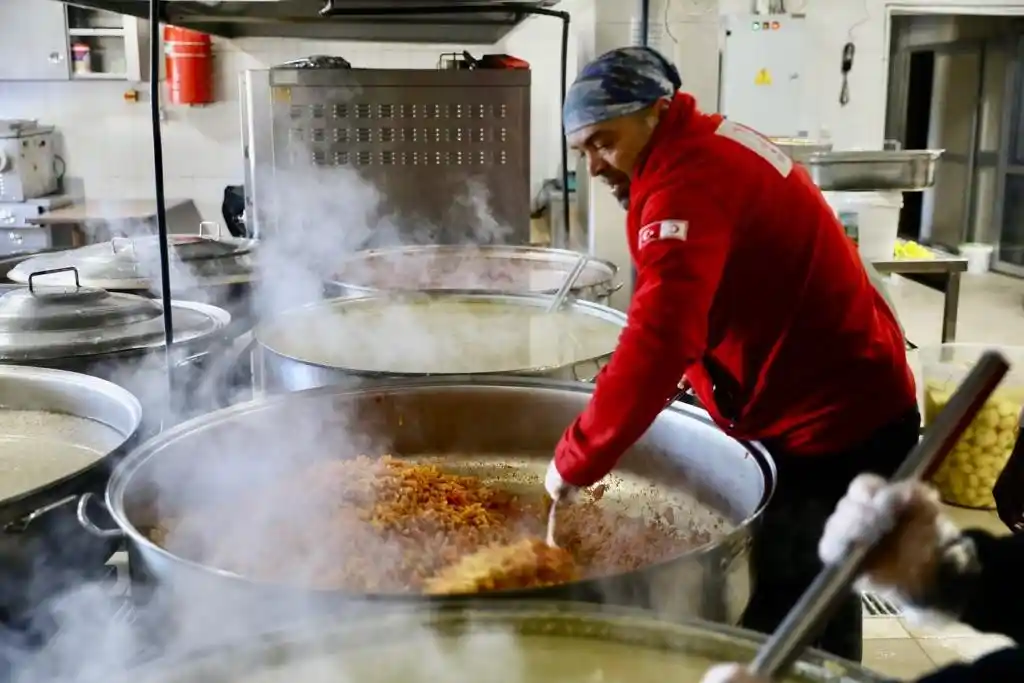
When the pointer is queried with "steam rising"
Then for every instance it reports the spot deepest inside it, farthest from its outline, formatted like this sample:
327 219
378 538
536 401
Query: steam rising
319 217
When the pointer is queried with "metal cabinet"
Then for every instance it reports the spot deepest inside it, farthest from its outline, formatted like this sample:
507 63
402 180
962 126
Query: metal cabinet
33 41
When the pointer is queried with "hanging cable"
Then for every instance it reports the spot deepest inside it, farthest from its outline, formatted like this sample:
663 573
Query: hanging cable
844 93
155 16
331 9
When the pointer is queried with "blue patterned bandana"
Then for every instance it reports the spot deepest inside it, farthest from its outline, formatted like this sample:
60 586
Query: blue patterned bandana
620 82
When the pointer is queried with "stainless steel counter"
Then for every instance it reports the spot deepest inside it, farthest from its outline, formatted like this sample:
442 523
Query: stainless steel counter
941 273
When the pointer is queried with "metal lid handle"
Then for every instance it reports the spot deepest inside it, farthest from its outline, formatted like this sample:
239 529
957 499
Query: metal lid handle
214 226
130 244
65 269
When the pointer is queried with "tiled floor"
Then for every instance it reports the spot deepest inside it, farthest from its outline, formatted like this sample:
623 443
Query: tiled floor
991 310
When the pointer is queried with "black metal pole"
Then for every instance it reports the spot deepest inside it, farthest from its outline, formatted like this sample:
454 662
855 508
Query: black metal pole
332 10
155 15
645 22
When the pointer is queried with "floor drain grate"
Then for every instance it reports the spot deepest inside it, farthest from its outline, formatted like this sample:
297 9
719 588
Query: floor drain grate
877 606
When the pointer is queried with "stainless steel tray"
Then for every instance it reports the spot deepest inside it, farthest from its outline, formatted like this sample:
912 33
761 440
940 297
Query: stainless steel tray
801 149
908 170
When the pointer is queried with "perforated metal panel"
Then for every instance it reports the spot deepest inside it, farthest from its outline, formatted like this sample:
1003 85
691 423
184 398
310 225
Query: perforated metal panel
424 138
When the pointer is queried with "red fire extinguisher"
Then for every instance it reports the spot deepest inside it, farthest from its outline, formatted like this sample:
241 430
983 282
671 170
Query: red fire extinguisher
189 66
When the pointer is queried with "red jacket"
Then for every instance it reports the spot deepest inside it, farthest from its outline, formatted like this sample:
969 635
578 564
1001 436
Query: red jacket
747 284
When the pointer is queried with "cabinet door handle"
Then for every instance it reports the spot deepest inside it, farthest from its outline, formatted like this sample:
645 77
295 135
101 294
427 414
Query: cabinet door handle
56 57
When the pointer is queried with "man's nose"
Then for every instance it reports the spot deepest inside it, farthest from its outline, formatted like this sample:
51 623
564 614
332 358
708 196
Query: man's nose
595 165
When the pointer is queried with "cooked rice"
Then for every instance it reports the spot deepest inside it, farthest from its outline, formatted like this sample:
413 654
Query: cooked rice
382 525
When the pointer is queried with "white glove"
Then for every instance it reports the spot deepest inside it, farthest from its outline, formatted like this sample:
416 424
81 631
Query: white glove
904 565
557 487
730 673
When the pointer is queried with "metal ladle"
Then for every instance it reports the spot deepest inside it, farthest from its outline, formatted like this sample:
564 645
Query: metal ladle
556 304
817 603
563 292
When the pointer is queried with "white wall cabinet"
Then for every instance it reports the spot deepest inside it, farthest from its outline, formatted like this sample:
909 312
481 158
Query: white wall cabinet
33 41
47 40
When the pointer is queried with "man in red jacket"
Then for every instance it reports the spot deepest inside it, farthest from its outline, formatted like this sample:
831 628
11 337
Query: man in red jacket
748 289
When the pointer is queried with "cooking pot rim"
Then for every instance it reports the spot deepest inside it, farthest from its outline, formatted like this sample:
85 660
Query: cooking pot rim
491 251
468 609
120 479
534 299
24 504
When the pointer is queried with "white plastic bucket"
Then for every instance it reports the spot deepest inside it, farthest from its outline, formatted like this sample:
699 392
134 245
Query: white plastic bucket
979 257
872 219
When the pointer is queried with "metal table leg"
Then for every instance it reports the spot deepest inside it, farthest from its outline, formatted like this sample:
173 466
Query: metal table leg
951 305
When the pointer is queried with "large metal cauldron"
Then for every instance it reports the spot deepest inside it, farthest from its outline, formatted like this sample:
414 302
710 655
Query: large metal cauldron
207 267
77 427
115 336
287 346
501 429
482 269
501 643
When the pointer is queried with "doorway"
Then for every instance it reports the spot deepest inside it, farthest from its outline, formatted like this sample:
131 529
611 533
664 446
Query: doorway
916 124
946 79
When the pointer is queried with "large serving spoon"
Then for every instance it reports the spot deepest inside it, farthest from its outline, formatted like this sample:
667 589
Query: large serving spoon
818 602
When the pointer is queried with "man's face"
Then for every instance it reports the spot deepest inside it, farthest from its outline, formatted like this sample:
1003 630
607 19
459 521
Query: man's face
613 147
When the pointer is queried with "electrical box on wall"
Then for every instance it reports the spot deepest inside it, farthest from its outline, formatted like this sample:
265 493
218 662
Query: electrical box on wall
764 60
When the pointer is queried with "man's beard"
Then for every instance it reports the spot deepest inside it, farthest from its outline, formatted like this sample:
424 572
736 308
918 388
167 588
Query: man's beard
619 186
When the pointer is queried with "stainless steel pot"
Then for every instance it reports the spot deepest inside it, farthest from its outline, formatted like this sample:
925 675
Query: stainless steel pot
504 643
505 429
77 426
284 359
207 267
66 393
479 269
115 336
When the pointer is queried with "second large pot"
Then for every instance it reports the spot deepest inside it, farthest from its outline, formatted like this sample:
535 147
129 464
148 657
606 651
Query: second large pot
502 428
345 341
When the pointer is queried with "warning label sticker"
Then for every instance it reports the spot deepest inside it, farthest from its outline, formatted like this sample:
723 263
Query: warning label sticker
763 78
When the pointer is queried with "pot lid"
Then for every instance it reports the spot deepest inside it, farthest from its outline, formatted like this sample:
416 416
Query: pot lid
134 263
44 322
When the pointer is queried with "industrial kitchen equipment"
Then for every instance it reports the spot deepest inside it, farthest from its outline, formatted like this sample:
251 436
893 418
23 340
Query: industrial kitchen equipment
442 148
481 269
28 162
501 429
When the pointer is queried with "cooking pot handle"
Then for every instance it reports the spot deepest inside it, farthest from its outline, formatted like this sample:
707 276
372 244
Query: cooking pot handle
88 524
213 227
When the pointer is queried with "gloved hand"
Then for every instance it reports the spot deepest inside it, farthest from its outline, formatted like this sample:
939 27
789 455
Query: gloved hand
557 487
906 563
730 673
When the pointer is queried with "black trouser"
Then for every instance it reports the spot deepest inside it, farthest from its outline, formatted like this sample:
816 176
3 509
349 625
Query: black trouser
785 555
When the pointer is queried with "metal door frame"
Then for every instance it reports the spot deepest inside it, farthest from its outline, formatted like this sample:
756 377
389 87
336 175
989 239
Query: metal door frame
1012 110
899 71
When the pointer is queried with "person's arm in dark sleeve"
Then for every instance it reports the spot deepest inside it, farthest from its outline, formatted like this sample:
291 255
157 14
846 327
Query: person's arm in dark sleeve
987 593
1001 666
666 331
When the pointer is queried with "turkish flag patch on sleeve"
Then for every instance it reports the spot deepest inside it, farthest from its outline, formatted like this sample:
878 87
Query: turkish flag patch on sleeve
662 230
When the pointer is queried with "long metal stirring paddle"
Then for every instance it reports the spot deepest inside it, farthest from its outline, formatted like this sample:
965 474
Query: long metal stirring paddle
816 604
556 303
570 281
